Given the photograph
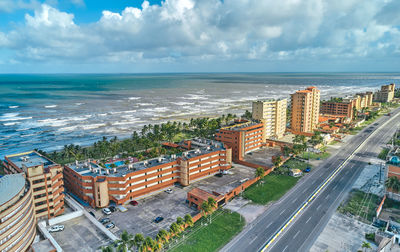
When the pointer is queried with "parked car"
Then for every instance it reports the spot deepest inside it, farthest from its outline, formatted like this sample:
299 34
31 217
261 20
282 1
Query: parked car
105 221
92 214
110 225
56 228
112 208
308 169
219 175
134 203
169 190
106 211
158 219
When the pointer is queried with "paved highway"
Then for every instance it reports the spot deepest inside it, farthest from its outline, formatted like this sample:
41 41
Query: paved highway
300 234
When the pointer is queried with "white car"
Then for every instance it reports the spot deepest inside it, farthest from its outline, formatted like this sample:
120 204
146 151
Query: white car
169 190
56 228
106 211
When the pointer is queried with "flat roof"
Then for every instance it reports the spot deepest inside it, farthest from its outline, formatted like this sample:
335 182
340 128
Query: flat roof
201 147
11 185
240 126
43 246
30 159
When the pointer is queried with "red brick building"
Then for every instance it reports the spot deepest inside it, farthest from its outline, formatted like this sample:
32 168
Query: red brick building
98 185
243 137
337 108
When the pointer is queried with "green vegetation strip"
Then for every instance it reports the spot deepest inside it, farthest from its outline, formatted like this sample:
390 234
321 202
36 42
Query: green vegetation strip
212 237
382 155
312 155
274 187
361 204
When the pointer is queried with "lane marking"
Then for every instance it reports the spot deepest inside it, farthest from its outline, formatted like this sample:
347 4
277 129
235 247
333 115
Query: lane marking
335 187
253 240
305 189
298 232
269 225
282 212
318 207
308 219
285 248
327 196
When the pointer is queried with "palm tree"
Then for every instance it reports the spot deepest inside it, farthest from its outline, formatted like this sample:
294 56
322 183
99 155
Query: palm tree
163 235
148 244
393 183
260 172
180 222
138 240
174 228
188 220
212 205
205 208
109 248
277 161
125 242
366 246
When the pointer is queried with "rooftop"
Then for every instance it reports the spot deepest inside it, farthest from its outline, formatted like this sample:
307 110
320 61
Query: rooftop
30 159
201 147
240 126
11 185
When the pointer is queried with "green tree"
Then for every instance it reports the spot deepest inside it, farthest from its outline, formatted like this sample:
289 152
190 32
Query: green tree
366 246
174 228
393 183
188 220
277 161
247 115
180 222
125 242
138 240
109 248
260 172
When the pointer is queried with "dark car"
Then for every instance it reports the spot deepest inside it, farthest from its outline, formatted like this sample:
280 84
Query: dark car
134 203
308 169
105 220
112 208
110 225
219 175
92 214
158 219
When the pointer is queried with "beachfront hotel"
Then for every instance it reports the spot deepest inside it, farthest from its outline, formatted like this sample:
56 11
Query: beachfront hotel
98 185
386 94
305 110
334 108
17 215
46 178
242 137
272 113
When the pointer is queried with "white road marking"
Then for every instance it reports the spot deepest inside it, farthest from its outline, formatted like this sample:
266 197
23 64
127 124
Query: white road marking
308 219
305 189
298 232
318 207
285 248
334 187
269 225
327 196
253 239
282 212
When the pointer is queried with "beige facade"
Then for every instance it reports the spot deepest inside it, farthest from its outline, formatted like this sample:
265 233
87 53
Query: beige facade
386 94
17 216
272 113
305 110
46 178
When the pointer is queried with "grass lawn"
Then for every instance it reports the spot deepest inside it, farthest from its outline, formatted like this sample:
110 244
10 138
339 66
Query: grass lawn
274 187
333 142
361 204
224 226
382 155
312 155
180 136
295 164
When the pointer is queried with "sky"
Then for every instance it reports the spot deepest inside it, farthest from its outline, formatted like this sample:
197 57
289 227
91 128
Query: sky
133 36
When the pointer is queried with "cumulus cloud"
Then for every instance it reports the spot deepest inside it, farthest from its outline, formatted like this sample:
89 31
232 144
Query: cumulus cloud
206 30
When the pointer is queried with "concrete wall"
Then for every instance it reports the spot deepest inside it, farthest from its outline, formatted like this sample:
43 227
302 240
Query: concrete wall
65 217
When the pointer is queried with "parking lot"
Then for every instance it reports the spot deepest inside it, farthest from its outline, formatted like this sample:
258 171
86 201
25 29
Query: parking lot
80 234
140 218
263 156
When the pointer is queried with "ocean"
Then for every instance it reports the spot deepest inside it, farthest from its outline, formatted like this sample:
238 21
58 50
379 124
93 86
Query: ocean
49 111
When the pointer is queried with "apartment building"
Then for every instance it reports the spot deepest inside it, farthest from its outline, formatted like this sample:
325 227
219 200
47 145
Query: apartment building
242 137
17 215
46 178
99 185
272 113
305 110
337 108
386 94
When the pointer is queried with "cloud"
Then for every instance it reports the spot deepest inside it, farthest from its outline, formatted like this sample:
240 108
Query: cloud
11 5
211 30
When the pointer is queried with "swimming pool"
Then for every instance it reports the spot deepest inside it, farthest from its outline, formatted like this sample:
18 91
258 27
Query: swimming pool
117 163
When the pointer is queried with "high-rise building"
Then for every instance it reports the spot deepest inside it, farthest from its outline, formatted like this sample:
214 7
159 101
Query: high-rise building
242 137
272 113
17 215
46 179
305 110
386 94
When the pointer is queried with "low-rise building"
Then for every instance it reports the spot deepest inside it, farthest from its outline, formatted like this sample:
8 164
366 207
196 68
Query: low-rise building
46 179
337 108
242 137
17 215
99 185
386 94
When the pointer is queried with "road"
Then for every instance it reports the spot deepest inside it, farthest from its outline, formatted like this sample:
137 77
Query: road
301 234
